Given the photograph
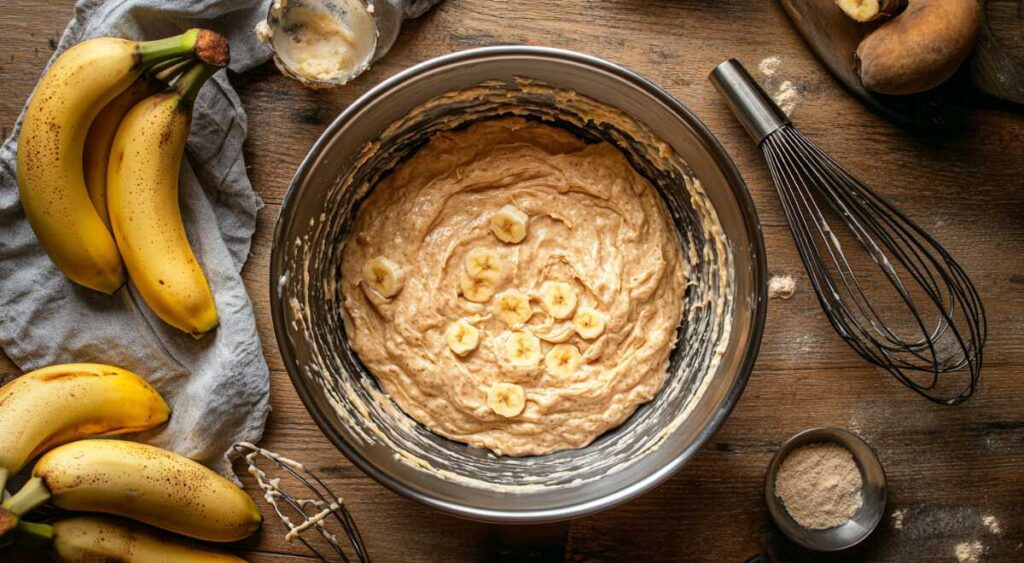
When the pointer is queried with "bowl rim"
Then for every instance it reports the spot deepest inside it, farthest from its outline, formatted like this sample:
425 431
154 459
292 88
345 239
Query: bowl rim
614 498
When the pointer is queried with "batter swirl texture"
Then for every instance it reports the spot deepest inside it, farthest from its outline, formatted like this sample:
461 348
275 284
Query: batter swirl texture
599 267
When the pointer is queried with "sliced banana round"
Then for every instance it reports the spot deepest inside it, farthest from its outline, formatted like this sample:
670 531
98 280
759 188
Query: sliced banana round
562 360
558 298
475 289
588 322
485 264
522 349
512 307
462 337
506 399
509 224
384 276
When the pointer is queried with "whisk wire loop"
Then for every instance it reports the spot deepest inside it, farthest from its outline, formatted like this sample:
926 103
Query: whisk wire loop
325 504
944 336
940 327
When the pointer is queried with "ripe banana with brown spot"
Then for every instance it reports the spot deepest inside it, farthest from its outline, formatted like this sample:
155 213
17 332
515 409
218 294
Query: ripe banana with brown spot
101 136
87 539
142 197
141 482
51 179
58 404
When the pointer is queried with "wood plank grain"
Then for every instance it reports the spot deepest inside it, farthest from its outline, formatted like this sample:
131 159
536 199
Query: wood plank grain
948 467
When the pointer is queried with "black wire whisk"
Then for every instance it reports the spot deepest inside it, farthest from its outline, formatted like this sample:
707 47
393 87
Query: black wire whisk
922 319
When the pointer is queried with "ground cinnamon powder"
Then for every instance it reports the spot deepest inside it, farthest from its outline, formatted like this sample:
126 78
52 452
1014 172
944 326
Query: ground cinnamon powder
820 485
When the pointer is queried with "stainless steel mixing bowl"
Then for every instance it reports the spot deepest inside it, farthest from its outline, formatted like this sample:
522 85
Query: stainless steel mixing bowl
873 492
708 369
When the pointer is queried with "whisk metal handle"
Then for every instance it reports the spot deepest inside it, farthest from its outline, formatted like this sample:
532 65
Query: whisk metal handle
751 105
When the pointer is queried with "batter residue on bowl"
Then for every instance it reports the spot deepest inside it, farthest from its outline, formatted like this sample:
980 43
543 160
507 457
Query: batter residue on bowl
515 288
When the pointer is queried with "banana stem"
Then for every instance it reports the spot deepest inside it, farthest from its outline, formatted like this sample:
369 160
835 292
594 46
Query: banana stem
34 533
165 64
153 52
193 79
30 496
167 73
3 480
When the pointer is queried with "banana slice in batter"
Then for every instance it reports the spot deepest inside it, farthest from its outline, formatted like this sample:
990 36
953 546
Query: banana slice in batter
558 298
485 264
562 360
509 224
475 289
588 322
512 307
506 399
462 337
522 348
384 276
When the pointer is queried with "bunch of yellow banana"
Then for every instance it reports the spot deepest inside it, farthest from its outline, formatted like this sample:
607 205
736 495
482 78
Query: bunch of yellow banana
73 180
52 407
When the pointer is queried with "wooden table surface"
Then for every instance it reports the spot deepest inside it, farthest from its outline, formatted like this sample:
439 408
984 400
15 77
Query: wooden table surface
949 467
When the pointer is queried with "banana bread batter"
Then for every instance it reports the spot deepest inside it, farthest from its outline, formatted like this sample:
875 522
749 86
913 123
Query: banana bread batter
514 288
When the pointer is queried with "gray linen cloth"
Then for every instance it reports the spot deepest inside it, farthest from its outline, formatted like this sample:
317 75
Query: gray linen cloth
218 386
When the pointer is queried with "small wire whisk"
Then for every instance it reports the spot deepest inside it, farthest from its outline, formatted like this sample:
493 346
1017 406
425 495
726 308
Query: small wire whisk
922 318
316 512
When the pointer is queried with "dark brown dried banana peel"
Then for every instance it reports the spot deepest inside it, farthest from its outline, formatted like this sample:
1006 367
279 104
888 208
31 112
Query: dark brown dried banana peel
920 48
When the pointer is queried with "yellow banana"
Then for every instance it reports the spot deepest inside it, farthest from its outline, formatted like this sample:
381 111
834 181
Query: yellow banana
141 482
58 404
142 197
104 127
86 539
50 167
101 137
